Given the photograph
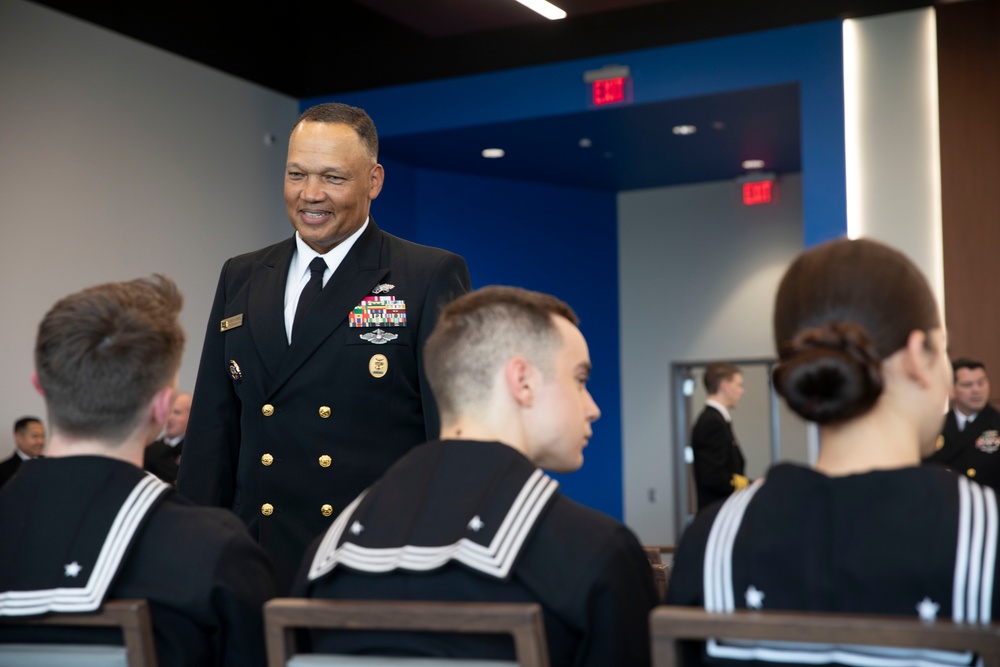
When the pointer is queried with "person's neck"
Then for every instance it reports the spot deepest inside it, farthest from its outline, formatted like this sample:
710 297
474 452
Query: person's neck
966 413
504 431
715 398
60 446
877 440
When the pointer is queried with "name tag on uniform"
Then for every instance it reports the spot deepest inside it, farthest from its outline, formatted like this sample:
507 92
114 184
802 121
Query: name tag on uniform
378 311
231 322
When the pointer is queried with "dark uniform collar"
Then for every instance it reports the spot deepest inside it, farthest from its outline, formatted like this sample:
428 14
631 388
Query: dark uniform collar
470 502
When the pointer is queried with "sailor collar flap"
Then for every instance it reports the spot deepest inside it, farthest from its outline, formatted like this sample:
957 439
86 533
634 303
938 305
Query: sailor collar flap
473 503
94 544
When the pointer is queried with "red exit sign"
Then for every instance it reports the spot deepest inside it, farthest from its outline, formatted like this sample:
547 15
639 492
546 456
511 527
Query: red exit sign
758 192
610 91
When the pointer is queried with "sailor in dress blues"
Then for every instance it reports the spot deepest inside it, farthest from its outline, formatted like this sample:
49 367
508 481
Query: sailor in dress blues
868 530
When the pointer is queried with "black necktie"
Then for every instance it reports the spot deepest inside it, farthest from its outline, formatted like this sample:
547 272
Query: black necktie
309 292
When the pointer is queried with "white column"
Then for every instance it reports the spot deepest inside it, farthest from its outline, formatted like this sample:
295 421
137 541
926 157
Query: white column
893 147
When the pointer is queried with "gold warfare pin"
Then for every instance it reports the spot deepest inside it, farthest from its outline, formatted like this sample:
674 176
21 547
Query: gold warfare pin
378 365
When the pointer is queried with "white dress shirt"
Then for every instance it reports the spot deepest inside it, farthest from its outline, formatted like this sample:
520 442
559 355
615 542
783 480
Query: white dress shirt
299 272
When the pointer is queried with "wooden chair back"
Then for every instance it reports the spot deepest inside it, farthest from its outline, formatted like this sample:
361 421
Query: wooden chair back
671 625
655 552
661 573
131 616
282 616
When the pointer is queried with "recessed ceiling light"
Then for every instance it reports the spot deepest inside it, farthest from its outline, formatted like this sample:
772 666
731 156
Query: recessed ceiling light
684 129
753 164
546 9
586 143
493 152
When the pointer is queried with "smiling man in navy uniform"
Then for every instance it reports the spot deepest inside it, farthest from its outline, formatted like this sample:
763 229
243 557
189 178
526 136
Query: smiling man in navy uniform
311 381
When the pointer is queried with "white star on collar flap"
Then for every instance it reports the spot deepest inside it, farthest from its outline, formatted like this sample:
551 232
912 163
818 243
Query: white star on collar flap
928 609
356 528
476 524
754 598
73 569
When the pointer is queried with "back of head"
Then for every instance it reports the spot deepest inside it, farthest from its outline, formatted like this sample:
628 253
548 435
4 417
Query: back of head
478 333
842 308
336 113
101 355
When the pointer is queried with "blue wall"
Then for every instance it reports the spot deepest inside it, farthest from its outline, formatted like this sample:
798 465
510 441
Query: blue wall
563 240
557 240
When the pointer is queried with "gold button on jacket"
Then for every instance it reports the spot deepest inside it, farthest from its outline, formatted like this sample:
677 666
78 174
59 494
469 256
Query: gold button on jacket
267 509
267 410
324 411
326 510
267 459
325 461
971 472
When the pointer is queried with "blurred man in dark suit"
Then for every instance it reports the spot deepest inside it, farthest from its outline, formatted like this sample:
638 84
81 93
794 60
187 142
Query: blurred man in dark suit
718 461
29 440
970 440
163 456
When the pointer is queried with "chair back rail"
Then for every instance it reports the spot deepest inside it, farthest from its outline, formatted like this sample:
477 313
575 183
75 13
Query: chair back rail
670 625
132 616
282 616
661 574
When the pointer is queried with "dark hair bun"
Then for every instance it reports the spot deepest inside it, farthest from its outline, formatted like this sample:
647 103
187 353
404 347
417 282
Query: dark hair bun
829 373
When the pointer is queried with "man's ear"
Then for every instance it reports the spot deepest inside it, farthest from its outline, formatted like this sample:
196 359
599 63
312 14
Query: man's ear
36 384
518 374
160 405
377 178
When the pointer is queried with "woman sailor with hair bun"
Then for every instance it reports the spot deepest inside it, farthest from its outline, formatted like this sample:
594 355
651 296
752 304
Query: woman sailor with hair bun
862 353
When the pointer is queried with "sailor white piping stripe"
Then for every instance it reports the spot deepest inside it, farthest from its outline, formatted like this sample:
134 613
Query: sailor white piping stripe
975 554
846 654
494 560
718 573
90 597
713 566
975 561
989 557
961 551
729 596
